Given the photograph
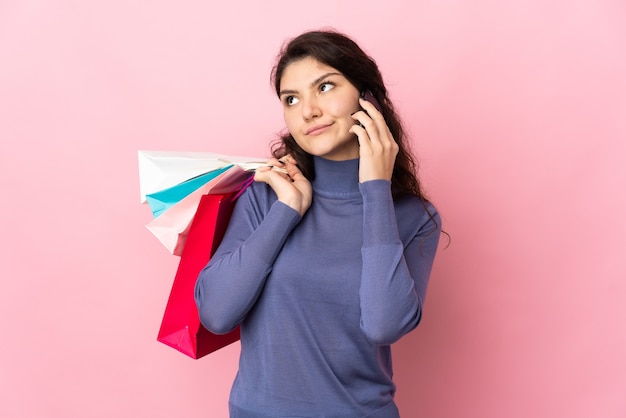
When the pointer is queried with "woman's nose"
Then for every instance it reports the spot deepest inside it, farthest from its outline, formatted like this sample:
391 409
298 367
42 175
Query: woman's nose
311 108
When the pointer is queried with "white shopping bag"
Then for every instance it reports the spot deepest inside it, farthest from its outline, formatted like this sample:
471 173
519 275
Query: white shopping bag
159 170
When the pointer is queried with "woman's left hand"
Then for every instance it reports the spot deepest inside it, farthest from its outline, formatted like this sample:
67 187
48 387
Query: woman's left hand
378 149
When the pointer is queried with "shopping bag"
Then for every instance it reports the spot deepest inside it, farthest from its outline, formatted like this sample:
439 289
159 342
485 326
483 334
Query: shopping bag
162 200
159 170
181 328
171 227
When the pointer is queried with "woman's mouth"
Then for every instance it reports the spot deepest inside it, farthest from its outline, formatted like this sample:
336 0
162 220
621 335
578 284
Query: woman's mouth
317 129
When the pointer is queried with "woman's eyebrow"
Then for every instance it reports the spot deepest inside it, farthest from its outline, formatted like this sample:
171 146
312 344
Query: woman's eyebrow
313 83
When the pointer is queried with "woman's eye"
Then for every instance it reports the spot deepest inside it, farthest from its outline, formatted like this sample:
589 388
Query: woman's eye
290 100
326 86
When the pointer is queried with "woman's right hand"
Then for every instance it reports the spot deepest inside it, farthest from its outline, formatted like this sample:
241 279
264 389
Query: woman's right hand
291 188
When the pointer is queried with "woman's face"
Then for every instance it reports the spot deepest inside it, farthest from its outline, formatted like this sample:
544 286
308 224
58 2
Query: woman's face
318 102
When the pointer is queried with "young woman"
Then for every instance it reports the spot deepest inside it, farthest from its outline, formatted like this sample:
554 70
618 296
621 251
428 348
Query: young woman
327 256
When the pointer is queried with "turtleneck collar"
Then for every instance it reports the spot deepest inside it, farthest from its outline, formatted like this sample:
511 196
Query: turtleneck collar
336 178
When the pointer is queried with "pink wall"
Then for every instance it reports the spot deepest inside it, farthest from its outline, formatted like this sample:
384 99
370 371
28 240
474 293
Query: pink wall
518 110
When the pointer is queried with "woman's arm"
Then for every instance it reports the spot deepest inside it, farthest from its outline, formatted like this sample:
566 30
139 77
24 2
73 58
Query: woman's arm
229 285
395 274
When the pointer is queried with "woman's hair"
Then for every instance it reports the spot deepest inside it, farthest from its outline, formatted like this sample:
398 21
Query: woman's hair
342 53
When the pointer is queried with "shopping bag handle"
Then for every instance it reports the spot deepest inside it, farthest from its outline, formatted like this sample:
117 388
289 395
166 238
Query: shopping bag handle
245 185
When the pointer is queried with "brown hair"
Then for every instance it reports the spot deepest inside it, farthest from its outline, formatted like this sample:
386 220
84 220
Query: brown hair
342 53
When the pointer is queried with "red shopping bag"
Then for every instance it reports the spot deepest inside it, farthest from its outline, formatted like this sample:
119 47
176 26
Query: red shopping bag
181 327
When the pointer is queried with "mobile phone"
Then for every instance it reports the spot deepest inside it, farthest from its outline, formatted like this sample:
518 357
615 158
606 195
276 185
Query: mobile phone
367 95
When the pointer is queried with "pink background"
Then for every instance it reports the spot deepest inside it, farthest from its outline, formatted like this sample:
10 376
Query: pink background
518 110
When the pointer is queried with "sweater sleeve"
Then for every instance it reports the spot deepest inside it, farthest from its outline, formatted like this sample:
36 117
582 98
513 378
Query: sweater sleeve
229 285
395 270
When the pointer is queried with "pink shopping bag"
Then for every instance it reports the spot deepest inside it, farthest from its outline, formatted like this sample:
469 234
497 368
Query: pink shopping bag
172 226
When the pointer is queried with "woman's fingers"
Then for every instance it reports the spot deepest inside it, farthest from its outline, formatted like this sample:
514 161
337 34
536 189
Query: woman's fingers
373 123
378 149
288 182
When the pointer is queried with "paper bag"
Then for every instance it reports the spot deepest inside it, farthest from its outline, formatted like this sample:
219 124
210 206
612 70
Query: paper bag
171 227
164 199
159 170
181 327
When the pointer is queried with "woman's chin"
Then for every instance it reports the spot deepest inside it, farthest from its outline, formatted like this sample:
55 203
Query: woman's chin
348 152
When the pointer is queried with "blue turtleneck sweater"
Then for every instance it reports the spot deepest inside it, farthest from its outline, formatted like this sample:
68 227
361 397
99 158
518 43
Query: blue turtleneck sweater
321 297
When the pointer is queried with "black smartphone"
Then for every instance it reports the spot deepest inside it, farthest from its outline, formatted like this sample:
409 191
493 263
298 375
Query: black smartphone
367 95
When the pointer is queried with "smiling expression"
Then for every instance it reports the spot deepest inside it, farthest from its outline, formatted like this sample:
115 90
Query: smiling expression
318 102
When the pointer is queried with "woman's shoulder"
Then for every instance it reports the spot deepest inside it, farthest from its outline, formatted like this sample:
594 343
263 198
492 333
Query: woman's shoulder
259 195
417 212
415 203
